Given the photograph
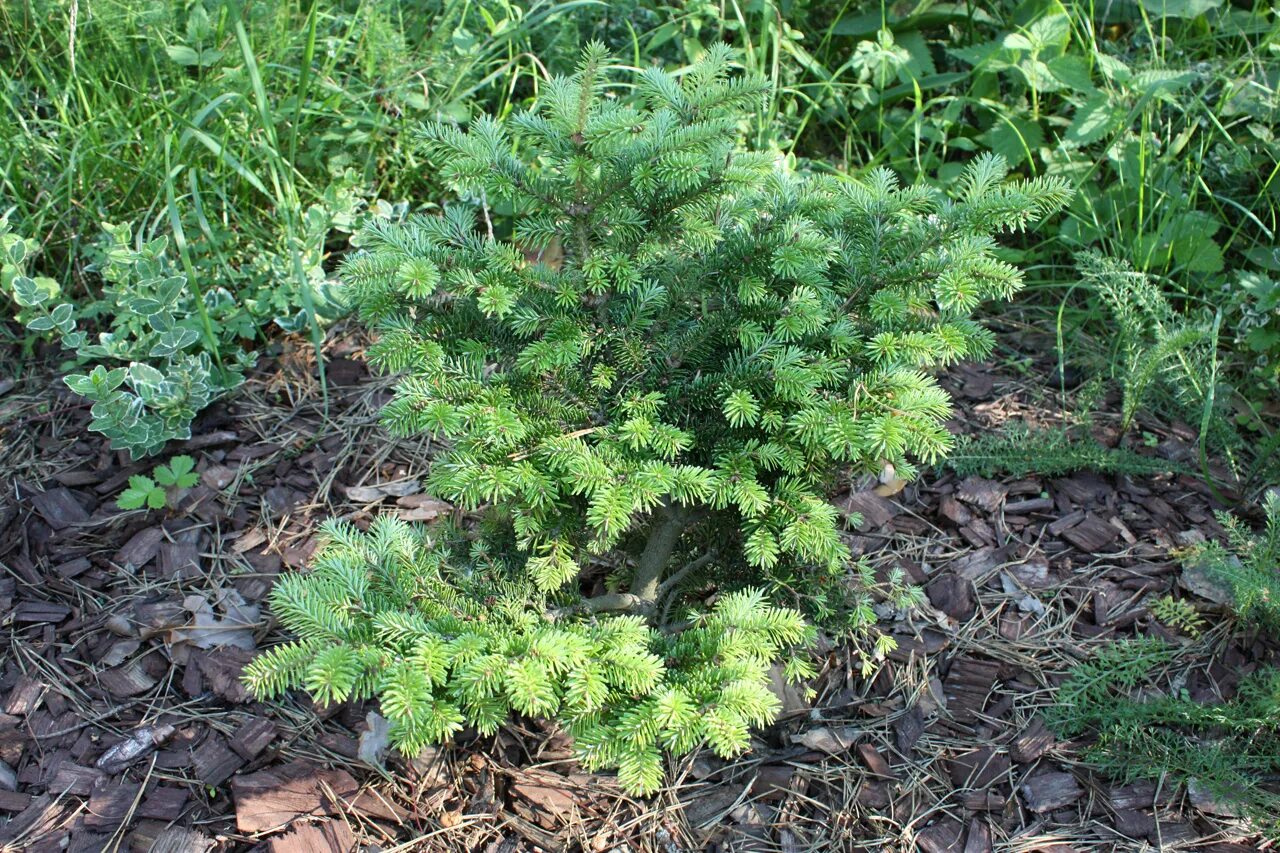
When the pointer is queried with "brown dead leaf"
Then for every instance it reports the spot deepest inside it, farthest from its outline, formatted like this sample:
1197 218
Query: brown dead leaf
550 798
891 488
208 630
218 477
374 740
249 540
828 740
370 494
422 507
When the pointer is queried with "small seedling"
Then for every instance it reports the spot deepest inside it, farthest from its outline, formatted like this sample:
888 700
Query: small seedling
155 493
1179 614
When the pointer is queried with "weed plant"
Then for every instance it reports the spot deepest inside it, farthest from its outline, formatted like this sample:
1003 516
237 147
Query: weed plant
1230 751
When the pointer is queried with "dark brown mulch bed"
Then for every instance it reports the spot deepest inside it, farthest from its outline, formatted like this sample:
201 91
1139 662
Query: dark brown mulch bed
123 725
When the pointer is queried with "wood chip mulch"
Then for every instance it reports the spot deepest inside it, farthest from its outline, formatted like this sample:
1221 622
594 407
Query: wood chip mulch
123 724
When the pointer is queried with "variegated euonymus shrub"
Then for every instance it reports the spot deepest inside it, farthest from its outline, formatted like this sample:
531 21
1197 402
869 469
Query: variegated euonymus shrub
647 390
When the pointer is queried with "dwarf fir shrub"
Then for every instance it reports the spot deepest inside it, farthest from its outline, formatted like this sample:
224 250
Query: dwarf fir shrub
649 386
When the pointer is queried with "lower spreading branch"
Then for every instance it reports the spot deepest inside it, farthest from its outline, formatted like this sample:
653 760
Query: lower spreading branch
610 601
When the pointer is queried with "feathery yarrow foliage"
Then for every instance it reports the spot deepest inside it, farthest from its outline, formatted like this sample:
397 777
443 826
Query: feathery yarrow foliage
655 377
1248 564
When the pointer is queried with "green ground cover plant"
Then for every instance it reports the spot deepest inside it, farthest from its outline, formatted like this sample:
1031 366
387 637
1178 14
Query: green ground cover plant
1229 751
155 492
658 406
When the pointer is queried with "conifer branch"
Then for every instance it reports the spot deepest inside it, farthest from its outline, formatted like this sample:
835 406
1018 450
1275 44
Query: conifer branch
675 578
670 524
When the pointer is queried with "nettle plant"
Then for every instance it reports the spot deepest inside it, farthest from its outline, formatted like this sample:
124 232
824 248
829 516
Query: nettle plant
648 391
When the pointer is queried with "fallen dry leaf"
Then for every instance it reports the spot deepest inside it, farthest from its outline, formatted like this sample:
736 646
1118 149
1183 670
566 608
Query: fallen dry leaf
369 494
207 630
550 798
374 740
140 742
218 477
828 740
251 539
422 507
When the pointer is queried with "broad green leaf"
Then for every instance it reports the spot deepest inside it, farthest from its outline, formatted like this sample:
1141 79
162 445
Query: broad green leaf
1096 118
139 493
183 55
1198 253
1180 8
27 293
1051 31
1017 41
180 472
80 384
1072 72
1015 138
1038 75
141 375
1113 69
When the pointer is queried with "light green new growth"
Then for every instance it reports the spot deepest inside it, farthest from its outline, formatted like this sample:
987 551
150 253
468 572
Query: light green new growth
1229 749
650 388
1156 346
446 639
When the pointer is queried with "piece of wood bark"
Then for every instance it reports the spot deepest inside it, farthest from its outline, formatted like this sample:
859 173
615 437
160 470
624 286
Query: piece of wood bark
1091 535
1034 742
985 494
875 511
214 762
1048 791
875 761
127 680
141 548
953 595
979 768
945 836
274 797
253 737
177 839
979 838
166 803
332 836
34 612
1134 824
109 803
179 560
24 697
14 801
69 778
59 508
73 568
